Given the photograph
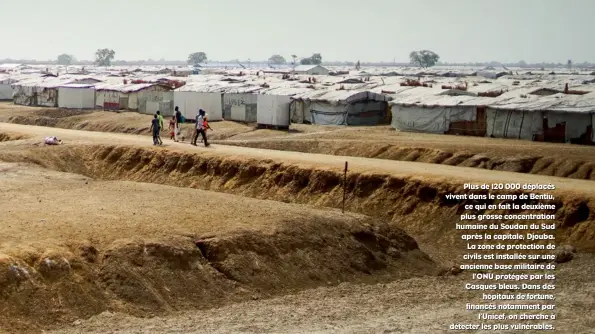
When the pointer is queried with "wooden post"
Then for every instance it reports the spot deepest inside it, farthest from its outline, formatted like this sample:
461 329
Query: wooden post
344 187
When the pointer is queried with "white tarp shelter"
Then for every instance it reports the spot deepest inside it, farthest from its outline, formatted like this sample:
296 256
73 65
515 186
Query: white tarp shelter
76 96
272 110
514 116
430 120
513 124
190 102
339 107
241 104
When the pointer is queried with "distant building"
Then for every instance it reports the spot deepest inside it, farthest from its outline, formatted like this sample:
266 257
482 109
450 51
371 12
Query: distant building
182 72
5 68
311 70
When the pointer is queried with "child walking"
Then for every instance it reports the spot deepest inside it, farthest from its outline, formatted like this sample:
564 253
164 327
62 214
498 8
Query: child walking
205 125
173 128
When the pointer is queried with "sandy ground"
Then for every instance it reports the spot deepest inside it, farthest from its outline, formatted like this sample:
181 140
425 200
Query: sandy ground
72 247
47 207
387 167
417 306
125 209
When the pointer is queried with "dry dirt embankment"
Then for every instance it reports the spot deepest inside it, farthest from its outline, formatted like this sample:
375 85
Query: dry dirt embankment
12 136
418 205
73 247
528 162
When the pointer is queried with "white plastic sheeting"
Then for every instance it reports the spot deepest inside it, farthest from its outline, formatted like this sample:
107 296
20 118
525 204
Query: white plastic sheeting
5 92
272 110
152 99
513 123
300 112
431 120
191 102
328 114
576 123
238 113
76 97
110 99
340 96
240 107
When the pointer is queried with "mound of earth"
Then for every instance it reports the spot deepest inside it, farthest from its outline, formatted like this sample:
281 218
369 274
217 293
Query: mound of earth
73 247
12 136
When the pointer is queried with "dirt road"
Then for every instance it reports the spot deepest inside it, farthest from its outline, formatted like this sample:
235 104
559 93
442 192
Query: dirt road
379 142
396 168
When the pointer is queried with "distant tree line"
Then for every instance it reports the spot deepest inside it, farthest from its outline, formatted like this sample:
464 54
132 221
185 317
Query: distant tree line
106 57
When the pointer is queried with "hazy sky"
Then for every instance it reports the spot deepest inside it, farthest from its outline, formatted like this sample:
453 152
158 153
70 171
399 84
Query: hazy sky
367 30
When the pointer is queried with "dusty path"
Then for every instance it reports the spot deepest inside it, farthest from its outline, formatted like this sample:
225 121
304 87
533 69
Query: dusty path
379 142
395 168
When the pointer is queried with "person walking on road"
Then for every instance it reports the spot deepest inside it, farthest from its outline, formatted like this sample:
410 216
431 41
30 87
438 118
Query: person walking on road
206 125
178 114
160 118
173 128
200 128
179 121
155 130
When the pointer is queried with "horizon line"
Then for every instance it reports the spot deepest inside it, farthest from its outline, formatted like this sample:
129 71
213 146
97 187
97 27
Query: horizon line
165 62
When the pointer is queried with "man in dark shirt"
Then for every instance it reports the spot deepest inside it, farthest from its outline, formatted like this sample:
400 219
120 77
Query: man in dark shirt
155 128
178 116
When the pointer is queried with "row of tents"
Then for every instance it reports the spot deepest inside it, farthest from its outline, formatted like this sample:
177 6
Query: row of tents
528 108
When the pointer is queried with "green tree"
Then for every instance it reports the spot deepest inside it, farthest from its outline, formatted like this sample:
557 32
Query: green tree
277 60
306 61
197 58
316 59
424 58
65 59
104 57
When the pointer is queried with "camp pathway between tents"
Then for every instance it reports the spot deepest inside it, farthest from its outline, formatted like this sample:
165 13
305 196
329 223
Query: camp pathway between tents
424 171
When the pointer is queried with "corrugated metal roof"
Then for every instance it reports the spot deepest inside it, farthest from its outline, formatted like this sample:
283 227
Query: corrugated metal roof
122 87
305 68
340 96
329 87
73 85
